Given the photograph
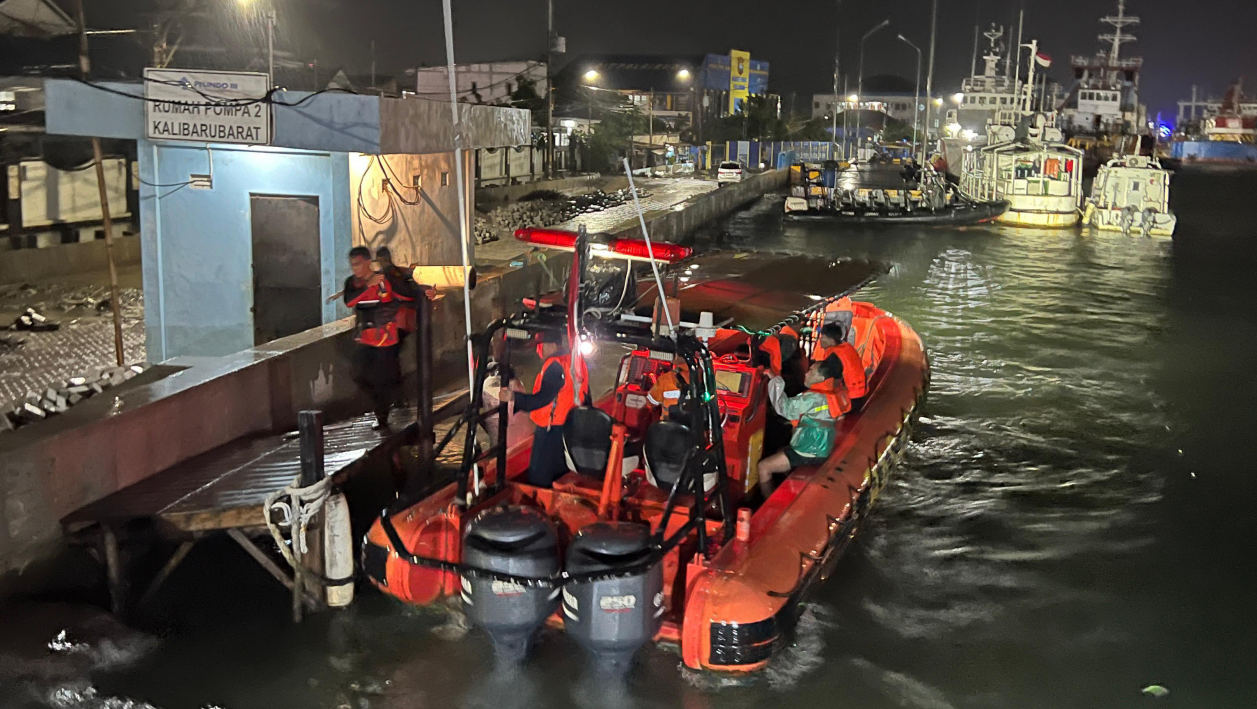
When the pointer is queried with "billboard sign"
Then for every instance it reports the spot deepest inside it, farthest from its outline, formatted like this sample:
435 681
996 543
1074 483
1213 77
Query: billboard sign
739 78
207 106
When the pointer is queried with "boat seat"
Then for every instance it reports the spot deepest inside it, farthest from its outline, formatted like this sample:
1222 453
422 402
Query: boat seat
846 319
666 449
587 440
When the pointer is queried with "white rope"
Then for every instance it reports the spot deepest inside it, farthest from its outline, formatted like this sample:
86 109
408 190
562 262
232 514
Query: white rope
302 505
462 196
650 251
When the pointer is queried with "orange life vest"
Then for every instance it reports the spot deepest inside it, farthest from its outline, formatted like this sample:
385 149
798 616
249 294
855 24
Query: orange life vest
375 329
835 396
852 366
555 413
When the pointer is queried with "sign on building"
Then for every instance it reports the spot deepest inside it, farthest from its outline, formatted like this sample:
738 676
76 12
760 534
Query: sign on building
739 78
207 106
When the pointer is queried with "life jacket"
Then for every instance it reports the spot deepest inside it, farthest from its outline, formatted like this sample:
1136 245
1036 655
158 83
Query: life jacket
779 348
375 323
853 375
407 316
836 398
556 412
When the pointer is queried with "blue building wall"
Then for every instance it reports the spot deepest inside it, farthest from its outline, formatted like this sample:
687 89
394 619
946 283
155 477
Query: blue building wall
197 244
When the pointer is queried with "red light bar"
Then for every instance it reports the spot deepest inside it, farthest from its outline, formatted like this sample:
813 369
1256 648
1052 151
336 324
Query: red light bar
557 238
636 248
628 248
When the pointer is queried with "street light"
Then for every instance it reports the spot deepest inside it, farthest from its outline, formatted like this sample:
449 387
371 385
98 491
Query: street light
929 75
591 76
859 86
696 119
916 94
270 39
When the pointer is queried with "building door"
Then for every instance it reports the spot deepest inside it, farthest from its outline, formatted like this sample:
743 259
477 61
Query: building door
287 278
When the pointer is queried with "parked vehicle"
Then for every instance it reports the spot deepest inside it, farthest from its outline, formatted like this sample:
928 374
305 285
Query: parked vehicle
728 171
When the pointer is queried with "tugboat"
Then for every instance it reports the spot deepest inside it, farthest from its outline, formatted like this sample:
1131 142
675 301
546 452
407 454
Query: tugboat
1101 112
1131 194
923 197
656 533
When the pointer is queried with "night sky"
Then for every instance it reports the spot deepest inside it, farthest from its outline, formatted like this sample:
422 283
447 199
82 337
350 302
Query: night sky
1180 43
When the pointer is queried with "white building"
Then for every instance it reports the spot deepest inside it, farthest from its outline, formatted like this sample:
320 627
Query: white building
895 105
487 82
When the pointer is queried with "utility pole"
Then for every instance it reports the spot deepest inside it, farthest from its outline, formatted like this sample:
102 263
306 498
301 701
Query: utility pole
270 44
837 45
650 128
84 70
549 152
929 78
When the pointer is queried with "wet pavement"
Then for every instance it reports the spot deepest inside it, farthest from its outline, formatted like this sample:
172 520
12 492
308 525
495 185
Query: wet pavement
84 342
661 194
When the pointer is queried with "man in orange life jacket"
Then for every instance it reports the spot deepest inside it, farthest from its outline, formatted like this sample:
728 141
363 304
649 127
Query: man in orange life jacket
813 414
553 396
377 370
833 341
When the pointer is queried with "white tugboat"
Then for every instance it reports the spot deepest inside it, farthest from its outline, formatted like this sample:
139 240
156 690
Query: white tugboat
1027 165
1131 194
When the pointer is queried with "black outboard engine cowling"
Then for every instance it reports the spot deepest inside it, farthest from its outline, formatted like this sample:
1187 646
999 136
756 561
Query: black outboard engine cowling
613 618
519 541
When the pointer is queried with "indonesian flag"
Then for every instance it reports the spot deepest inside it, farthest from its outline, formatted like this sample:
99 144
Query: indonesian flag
1042 60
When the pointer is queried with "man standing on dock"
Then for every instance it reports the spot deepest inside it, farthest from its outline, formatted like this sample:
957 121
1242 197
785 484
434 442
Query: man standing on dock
377 368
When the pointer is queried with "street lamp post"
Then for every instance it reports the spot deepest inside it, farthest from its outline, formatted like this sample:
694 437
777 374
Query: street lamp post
916 94
929 76
270 45
859 86
270 39
837 44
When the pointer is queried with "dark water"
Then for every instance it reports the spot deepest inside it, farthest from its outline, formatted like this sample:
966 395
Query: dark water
1074 522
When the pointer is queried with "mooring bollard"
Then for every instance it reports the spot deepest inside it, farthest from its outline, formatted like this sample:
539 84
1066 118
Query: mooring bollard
310 428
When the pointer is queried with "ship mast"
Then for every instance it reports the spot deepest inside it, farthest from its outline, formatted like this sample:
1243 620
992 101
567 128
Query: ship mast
1117 37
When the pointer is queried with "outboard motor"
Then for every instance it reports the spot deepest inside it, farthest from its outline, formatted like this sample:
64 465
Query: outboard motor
613 618
519 541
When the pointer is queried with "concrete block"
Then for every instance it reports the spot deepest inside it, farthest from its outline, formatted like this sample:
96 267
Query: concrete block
96 388
32 413
81 390
76 381
74 399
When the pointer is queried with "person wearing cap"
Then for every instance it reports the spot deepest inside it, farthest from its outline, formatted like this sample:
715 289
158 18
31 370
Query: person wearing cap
813 414
553 396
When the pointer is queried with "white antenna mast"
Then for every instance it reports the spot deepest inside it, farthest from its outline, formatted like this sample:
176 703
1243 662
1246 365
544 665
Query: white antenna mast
1117 38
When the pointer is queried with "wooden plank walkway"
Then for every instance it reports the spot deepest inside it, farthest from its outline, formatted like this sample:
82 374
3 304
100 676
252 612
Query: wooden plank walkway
224 488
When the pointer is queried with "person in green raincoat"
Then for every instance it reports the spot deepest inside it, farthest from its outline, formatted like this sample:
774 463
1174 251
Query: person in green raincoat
813 413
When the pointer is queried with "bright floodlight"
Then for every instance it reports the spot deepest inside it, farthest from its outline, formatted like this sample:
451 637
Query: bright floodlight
853 98
591 75
683 75
957 98
586 347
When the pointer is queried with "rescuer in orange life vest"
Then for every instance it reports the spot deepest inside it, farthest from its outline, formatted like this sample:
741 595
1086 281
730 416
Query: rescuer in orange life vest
812 413
552 397
374 300
669 391
833 341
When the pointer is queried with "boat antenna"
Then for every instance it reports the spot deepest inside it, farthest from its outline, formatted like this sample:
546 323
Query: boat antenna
462 196
650 251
